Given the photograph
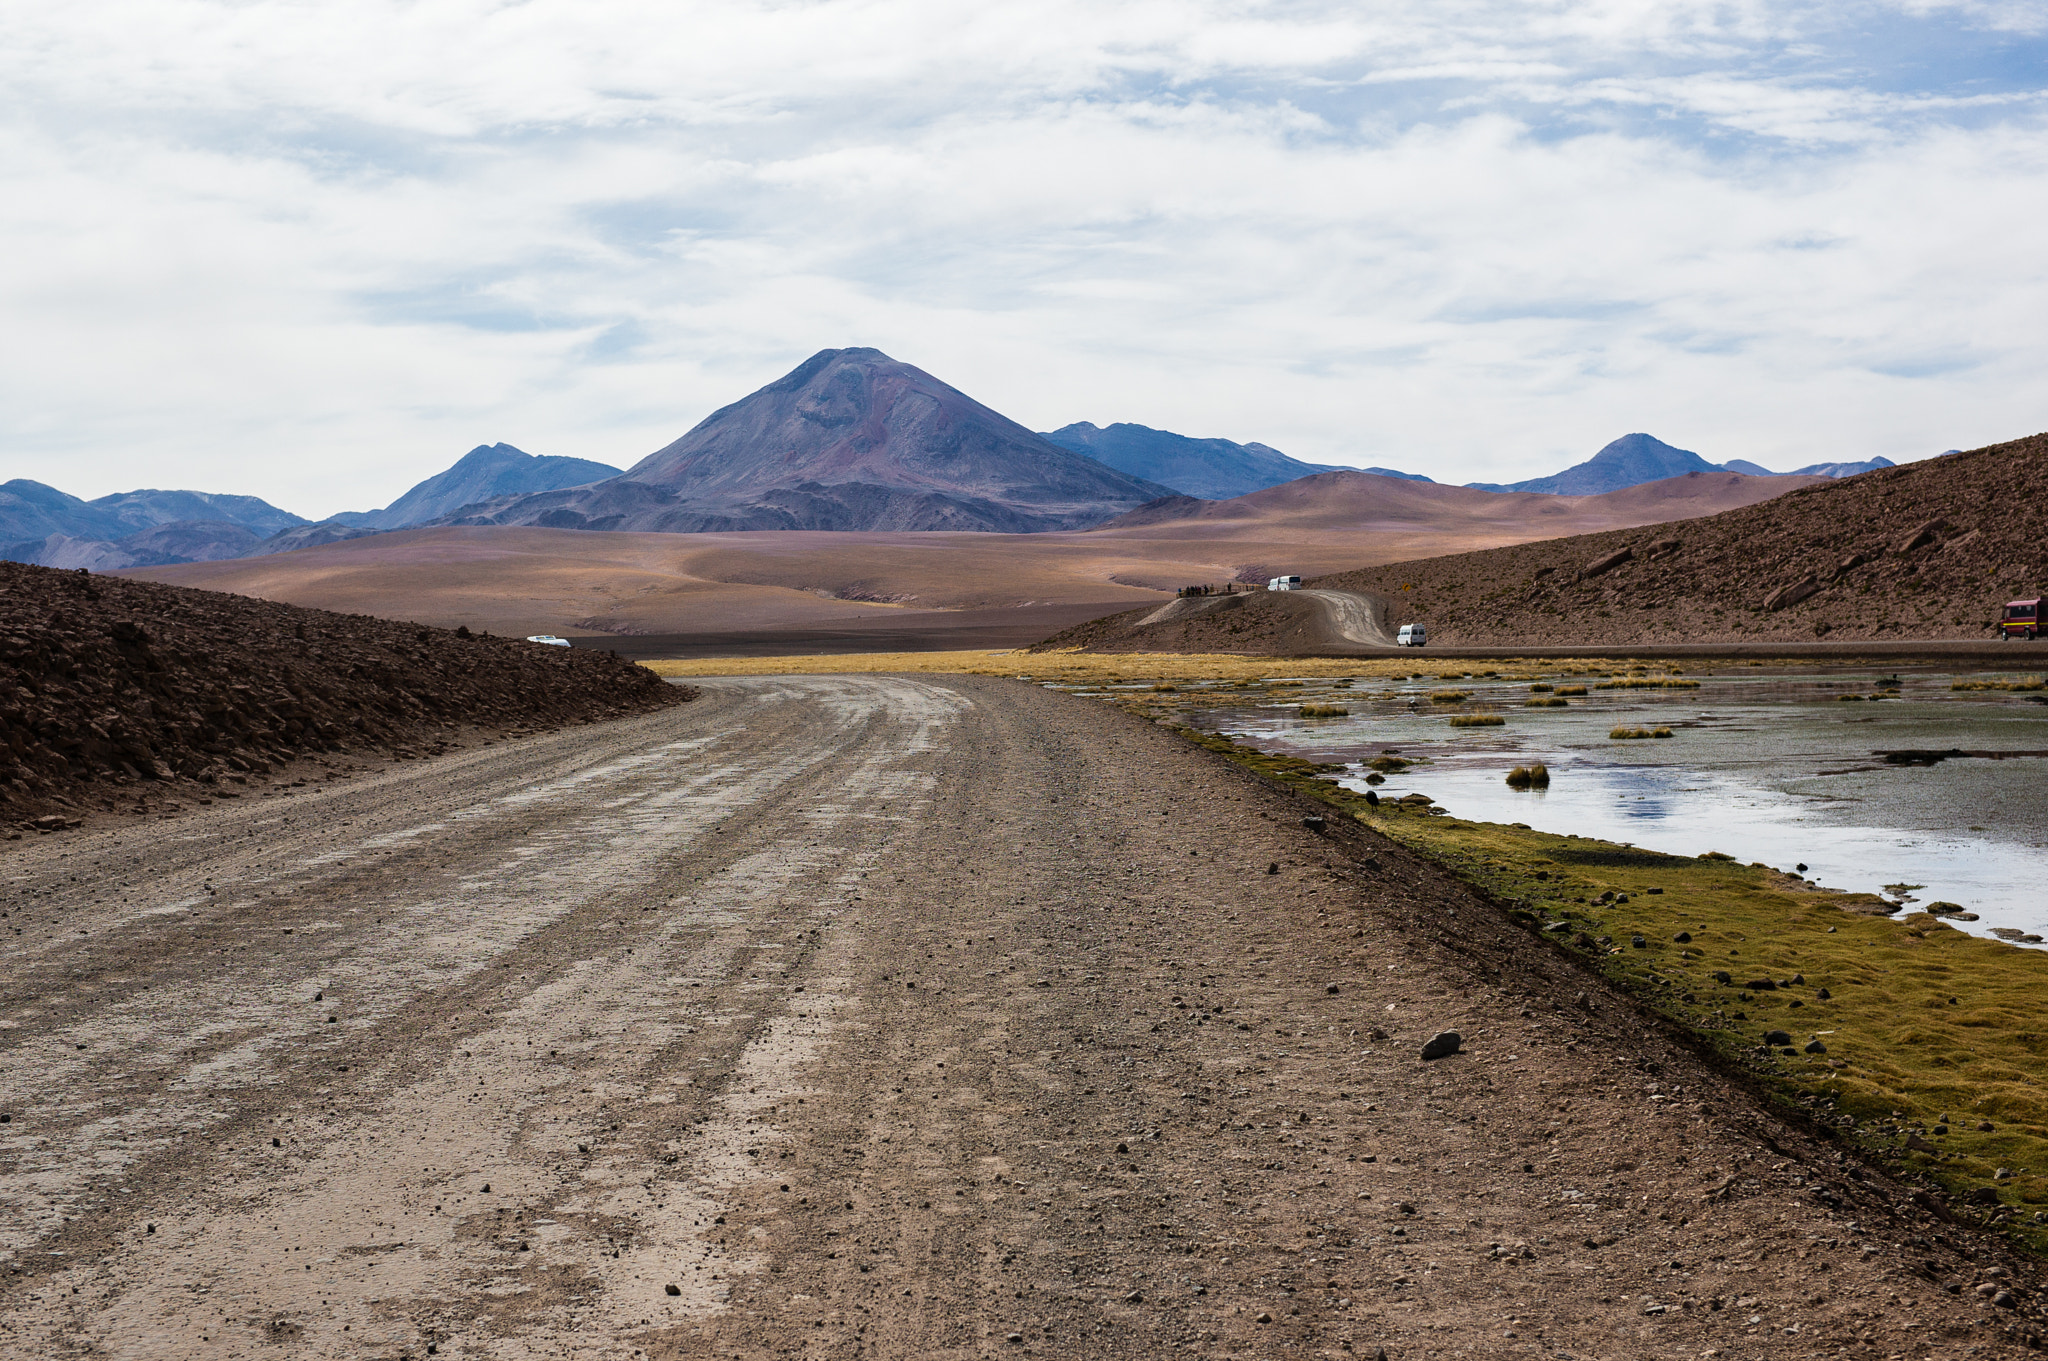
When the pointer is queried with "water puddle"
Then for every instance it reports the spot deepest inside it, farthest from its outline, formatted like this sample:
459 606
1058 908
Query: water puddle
1935 789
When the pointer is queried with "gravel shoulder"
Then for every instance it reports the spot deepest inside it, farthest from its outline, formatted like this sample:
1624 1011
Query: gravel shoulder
878 1016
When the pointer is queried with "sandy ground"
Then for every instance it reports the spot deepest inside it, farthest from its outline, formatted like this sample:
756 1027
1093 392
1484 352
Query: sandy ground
812 587
877 1017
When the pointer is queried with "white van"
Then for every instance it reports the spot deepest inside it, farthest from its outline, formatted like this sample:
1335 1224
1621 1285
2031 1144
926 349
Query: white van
549 640
1284 584
1411 635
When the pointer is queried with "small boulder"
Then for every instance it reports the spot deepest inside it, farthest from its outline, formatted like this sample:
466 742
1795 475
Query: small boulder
1792 593
1602 565
1443 1044
1777 1039
1919 538
1816 1047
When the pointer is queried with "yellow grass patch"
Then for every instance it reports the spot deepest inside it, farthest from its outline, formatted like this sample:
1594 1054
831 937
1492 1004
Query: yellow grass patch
1059 667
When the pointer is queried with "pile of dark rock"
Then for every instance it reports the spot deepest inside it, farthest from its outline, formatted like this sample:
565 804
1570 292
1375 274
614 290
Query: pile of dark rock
114 692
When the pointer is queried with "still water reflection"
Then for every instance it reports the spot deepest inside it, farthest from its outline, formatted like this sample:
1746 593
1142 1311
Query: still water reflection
1764 768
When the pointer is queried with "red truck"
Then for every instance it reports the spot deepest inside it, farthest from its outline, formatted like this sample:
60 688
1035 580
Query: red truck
2022 619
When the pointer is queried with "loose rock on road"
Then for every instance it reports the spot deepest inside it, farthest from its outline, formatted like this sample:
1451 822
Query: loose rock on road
873 1016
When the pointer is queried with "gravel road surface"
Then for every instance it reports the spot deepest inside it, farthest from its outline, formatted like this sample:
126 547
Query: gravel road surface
876 1017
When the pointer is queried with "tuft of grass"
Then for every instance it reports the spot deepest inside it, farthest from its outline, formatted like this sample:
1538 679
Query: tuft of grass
1324 711
1165 687
1477 721
1449 696
1541 689
1648 683
1529 777
2023 683
1626 734
1547 702
1387 764
1571 689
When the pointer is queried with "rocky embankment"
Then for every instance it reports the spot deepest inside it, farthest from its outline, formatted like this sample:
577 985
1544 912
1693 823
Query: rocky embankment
116 694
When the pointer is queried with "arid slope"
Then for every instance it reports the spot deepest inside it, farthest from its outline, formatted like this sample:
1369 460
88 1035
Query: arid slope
119 693
1928 550
1925 551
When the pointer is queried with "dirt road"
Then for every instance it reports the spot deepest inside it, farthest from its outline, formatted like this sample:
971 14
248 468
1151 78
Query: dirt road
881 1017
1354 618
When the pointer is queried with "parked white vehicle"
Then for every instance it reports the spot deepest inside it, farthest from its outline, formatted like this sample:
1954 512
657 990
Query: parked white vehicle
549 640
1411 635
1284 584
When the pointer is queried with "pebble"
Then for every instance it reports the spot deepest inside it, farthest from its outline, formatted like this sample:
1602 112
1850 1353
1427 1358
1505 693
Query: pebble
1683 938
671 1290
1442 1045
1273 868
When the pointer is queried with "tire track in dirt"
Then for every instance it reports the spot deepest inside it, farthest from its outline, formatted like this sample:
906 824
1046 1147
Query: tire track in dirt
877 1017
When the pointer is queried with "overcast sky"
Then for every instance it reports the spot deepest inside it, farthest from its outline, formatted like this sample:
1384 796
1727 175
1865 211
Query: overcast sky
316 251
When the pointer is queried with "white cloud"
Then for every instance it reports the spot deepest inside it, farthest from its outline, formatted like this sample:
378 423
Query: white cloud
314 252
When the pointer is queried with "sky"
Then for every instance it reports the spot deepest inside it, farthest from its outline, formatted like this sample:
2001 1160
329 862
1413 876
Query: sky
314 252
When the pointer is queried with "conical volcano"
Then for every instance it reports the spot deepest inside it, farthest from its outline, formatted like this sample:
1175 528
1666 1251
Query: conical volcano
850 440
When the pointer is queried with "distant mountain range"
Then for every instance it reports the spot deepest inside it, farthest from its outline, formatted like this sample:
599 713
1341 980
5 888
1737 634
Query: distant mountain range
489 472
1211 469
849 440
131 529
1635 459
42 525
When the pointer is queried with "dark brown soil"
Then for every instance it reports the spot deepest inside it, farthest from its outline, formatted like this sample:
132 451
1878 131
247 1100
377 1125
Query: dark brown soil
117 694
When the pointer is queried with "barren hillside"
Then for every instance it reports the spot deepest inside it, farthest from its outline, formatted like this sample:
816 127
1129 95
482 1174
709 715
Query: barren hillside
119 693
1925 551
1929 550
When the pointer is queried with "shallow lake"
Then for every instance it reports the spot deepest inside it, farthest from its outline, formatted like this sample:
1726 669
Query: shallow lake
1763 767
